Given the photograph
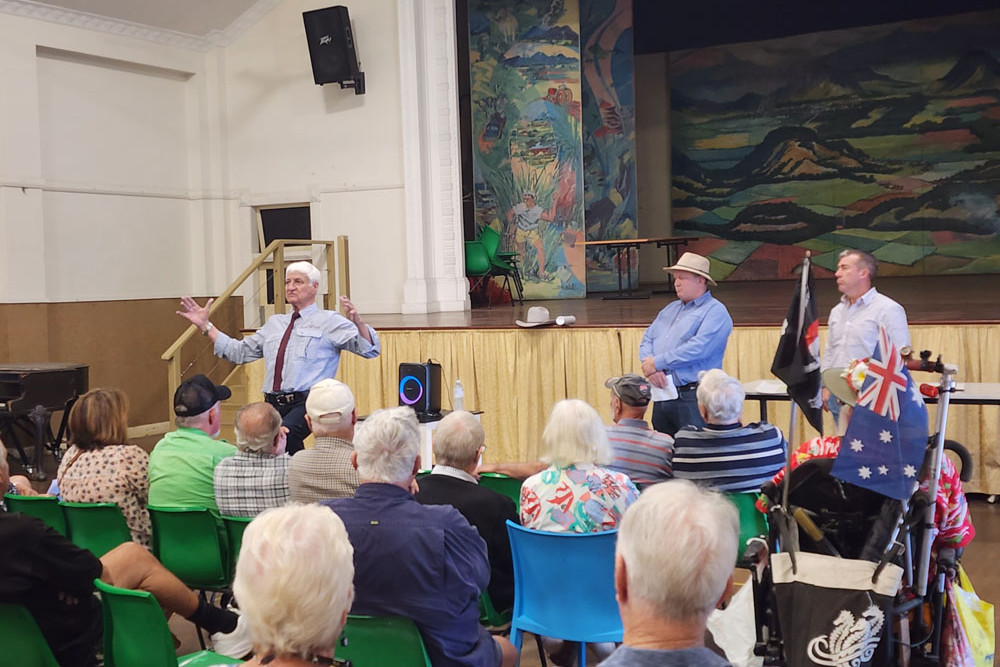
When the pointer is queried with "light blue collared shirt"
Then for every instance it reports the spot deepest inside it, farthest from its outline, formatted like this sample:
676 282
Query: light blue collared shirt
687 338
853 328
313 351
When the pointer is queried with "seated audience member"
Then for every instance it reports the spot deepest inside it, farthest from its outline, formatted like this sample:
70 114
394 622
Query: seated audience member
640 452
16 485
256 477
293 610
575 494
182 463
54 580
458 443
724 454
325 470
424 562
100 466
673 565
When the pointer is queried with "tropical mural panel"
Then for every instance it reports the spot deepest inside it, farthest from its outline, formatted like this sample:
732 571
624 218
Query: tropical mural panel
608 135
527 137
883 138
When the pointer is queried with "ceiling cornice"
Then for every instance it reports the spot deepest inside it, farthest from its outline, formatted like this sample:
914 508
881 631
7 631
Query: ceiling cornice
214 39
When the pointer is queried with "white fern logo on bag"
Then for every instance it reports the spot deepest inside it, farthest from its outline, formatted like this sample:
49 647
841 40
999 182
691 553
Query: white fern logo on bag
851 642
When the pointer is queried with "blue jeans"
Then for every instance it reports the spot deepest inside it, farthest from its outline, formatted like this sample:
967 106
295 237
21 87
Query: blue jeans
671 416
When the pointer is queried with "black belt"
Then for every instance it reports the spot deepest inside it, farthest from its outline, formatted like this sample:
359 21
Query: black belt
691 386
286 397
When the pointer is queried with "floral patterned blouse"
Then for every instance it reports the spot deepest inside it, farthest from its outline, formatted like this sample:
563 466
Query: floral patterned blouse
112 474
581 498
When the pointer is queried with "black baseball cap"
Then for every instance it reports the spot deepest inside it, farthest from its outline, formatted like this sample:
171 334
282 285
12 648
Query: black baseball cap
632 389
197 395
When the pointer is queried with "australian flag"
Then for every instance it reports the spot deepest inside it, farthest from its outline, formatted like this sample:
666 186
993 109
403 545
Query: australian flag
883 448
796 361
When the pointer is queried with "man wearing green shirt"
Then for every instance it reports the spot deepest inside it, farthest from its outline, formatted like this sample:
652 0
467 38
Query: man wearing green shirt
182 464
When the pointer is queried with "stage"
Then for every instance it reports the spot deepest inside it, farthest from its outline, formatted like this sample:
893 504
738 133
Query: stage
515 375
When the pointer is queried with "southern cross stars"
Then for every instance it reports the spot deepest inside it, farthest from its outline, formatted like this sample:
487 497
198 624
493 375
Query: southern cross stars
856 445
864 472
885 436
909 471
882 470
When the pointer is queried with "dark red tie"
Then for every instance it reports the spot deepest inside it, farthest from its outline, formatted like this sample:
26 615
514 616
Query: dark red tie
279 361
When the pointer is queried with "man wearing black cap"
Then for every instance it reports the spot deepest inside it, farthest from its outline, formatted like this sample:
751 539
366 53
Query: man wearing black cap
643 454
182 464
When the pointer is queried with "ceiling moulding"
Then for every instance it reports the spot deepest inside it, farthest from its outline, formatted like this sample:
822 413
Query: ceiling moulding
85 20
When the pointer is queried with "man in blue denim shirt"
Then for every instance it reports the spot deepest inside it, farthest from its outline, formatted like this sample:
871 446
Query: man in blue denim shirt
307 341
424 562
687 337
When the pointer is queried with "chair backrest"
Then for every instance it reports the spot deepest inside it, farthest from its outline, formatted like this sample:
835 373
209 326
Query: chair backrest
489 615
589 612
477 260
753 523
45 508
373 641
490 238
23 643
97 527
508 486
235 525
187 542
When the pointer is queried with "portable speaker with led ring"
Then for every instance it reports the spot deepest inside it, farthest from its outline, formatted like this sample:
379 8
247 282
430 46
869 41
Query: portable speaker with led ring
420 387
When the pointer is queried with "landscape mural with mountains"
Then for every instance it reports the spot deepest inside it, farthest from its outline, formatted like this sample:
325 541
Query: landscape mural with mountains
883 138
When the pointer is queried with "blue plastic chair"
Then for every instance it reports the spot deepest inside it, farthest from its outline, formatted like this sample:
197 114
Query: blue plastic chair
587 610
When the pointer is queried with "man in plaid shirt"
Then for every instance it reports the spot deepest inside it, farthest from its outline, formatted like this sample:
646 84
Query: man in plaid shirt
326 471
256 477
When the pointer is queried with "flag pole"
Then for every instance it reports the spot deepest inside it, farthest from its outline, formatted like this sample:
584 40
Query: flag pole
793 413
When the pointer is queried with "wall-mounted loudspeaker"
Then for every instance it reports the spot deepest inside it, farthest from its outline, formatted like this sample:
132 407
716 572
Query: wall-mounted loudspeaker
420 388
331 48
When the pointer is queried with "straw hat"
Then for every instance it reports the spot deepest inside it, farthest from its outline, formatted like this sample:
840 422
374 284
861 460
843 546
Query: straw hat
695 264
845 383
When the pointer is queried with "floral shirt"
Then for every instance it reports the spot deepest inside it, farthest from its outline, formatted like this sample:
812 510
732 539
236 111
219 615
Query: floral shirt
112 474
581 498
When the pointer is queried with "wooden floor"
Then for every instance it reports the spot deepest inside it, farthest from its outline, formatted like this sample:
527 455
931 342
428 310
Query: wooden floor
927 300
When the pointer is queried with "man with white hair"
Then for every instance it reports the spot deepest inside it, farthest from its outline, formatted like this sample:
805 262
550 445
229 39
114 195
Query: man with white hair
459 441
673 565
724 454
424 562
300 348
256 478
325 470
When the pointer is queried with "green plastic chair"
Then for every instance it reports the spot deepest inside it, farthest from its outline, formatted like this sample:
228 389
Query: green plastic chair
97 527
753 523
23 643
489 616
508 486
374 641
187 541
235 525
504 263
45 508
136 633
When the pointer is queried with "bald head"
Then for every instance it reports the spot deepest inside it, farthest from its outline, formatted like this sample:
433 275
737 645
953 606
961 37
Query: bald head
257 427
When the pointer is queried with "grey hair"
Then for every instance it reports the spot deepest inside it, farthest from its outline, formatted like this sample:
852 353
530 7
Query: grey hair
575 434
290 605
722 396
256 426
457 439
679 543
866 259
305 268
387 444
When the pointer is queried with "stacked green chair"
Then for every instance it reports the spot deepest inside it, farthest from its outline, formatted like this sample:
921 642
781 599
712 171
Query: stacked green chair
23 643
477 266
45 508
503 263
97 527
375 641
503 484
136 633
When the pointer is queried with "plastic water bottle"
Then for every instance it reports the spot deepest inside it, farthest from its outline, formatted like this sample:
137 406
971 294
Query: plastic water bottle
458 397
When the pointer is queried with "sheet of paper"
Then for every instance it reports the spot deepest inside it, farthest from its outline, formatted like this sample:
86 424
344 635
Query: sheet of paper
668 393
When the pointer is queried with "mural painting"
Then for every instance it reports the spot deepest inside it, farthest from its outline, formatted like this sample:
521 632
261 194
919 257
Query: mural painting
608 135
884 138
527 155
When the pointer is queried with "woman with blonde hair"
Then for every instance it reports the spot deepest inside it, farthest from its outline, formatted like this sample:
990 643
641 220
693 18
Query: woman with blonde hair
100 466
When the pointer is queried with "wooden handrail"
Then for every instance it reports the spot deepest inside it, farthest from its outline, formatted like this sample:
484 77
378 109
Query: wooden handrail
337 267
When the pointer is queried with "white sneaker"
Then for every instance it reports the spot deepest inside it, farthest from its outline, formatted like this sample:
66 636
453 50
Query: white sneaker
235 644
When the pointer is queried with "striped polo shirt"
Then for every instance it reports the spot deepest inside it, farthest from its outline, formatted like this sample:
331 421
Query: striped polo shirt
733 458
640 452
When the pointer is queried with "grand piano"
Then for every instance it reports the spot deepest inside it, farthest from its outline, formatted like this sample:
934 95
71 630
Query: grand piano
29 394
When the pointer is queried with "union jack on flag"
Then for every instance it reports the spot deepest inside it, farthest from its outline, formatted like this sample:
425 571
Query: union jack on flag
884 446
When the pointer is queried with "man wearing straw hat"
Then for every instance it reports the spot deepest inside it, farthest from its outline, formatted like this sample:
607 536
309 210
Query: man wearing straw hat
687 337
